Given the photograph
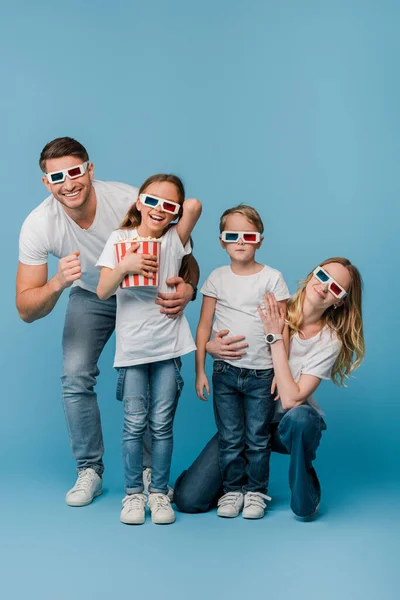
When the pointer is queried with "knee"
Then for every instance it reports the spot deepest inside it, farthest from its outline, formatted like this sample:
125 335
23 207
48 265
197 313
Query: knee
302 421
77 377
160 430
185 497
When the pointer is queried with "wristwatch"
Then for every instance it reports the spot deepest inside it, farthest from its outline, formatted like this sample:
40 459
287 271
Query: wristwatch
194 291
271 338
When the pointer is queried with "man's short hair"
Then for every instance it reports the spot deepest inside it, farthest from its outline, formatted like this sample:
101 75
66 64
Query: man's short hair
63 146
247 211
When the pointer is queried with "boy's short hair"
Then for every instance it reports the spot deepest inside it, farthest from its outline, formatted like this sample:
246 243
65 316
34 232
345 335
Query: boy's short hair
63 146
247 211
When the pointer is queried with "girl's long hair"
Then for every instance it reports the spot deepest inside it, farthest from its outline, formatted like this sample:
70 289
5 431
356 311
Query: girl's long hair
133 217
345 321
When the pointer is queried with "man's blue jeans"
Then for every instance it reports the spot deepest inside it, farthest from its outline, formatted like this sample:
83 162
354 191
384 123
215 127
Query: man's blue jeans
244 408
298 434
165 383
89 323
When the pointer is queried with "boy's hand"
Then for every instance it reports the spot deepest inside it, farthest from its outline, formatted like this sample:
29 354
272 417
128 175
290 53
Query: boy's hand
274 389
201 383
230 348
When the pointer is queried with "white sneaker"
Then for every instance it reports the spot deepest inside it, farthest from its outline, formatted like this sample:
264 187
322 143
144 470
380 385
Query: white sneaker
161 510
254 505
230 504
87 486
147 483
133 509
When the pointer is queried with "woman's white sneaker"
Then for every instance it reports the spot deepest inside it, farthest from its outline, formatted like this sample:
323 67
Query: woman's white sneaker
133 509
87 486
254 505
230 504
161 510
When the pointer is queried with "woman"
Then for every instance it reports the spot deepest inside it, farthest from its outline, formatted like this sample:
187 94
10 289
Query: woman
325 321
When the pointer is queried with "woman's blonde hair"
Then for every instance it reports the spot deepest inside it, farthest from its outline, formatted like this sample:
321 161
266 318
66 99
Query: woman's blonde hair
345 320
133 217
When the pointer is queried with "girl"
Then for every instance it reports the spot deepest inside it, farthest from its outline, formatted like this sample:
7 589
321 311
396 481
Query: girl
325 321
149 344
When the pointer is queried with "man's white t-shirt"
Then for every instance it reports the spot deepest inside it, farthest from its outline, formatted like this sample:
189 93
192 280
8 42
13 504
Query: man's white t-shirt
315 356
49 230
238 297
143 334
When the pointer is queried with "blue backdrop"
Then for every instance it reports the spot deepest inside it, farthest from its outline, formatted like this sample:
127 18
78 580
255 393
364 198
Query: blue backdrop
289 106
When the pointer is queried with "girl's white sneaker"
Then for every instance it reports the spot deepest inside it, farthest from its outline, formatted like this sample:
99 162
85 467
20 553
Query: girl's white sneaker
254 505
133 509
161 510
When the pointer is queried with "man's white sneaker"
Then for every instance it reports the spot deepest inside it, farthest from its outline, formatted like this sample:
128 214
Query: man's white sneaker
161 510
254 505
133 509
147 483
87 486
230 504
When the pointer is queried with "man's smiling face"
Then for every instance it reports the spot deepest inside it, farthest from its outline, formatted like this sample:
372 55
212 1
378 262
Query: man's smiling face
72 193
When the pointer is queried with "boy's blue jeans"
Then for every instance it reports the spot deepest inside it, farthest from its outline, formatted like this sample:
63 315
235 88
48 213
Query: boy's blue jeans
164 382
244 408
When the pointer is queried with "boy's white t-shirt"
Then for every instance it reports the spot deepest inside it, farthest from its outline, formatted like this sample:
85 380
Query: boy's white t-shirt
49 230
315 356
238 297
143 334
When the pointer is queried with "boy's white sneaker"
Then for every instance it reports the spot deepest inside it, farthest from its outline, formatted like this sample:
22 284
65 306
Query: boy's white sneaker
133 509
230 504
161 510
87 486
147 483
254 505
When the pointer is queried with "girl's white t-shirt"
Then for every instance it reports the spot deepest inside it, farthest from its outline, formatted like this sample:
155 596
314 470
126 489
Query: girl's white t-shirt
143 334
314 356
49 230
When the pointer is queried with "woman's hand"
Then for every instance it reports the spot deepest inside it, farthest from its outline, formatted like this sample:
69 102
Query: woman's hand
274 317
201 383
140 264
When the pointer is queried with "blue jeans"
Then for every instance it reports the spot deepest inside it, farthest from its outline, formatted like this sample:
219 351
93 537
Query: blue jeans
166 384
298 434
89 323
244 408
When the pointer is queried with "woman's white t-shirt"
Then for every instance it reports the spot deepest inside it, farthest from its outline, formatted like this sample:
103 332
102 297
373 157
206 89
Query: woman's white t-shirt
314 356
143 334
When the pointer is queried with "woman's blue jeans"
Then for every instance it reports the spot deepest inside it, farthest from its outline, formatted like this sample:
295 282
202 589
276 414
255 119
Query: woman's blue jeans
298 434
150 394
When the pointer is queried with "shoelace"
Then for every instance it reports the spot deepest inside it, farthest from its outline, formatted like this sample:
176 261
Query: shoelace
85 479
159 501
135 501
256 499
229 498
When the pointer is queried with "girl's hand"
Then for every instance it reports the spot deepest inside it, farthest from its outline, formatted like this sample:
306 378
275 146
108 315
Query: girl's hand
274 319
140 264
201 383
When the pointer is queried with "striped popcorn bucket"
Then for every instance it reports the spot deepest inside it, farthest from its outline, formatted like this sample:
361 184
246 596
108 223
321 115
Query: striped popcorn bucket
145 247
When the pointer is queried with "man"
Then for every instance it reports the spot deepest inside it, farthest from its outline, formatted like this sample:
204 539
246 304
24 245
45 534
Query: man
73 224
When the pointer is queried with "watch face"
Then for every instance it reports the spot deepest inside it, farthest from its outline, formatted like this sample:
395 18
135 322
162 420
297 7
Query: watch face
270 338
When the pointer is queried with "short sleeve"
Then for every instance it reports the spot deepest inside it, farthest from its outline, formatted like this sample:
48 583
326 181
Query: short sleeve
320 362
173 241
33 244
280 289
209 287
108 257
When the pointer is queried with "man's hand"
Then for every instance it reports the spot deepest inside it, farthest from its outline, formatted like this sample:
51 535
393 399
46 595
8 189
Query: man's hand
173 304
201 383
69 270
231 348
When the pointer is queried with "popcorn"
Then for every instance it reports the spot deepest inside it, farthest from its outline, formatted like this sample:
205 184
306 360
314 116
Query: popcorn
146 246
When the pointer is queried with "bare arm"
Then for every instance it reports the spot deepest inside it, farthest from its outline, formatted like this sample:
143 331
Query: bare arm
35 296
191 211
202 337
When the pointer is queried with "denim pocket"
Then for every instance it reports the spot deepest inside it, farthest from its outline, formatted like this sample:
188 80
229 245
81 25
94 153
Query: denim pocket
219 366
120 383
179 379
135 405
264 373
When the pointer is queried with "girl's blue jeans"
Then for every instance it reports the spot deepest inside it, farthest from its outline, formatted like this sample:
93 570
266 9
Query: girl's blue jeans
150 394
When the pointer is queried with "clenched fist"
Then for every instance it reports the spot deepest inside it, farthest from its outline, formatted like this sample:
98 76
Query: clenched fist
69 269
